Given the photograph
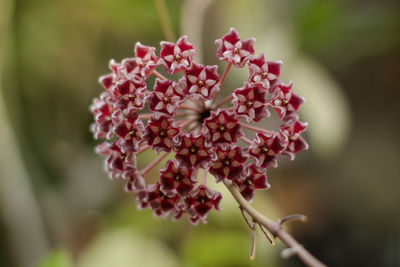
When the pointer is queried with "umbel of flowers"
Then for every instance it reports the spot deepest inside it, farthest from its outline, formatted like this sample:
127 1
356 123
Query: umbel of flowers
184 120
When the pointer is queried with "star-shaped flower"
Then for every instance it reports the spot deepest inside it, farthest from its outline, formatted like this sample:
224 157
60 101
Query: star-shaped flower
161 204
160 132
131 131
253 178
202 81
292 130
144 62
234 50
102 110
266 147
130 95
200 201
285 102
250 102
193 150
263 72
228 163
223 127
176 57
177 177
165 97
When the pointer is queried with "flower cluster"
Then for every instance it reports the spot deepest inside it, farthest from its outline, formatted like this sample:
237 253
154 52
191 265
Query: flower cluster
187 128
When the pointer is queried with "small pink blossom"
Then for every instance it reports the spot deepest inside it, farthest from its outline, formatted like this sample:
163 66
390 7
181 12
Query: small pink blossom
266 147
160 133
202 81
263 72
201 201
193 150
250 102
253 178
131 131
286 102
162 204
176 57
177 177
165 97
292 130
223 127
228 163
234 50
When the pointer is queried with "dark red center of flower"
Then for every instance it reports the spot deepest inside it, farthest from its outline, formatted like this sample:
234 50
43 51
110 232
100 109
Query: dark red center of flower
202 199
235 50
226 162
200 83
264 149
285 102
132 133
178 176
221 128
132 97
204 115
249 181
142 64
249 104
264 74
178 57
166 100
162 133
192 150
291 138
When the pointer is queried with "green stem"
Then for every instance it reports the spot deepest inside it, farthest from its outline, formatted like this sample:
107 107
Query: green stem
165 23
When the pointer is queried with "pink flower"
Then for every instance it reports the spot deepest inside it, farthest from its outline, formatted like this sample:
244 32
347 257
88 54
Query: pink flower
161 204
166 97
286 102
176 57
202 81
182 117
250 102
234 50
193 150
201 201
292 130
131 131
266 147
253 178
177 177
223 127
228 163
144 62
265 73
160 133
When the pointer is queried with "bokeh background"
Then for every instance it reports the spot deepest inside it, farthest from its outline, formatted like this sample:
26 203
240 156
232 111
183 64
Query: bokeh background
59 209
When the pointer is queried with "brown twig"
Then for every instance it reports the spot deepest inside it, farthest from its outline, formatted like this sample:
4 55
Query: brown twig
274 228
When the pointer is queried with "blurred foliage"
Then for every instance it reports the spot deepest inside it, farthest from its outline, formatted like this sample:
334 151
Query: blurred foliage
342 55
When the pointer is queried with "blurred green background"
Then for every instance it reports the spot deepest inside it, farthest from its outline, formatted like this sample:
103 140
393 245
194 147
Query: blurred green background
57 206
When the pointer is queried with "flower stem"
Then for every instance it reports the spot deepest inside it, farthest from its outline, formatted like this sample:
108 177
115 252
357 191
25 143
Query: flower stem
153 164
142 149
245 139
274 228
204 179
191 108
165 23
158 75
255 129
224 101
222 80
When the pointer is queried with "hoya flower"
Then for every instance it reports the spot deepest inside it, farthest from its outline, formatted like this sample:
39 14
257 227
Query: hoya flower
266 147
286 102
161 204
201 201
176 57
250 102
292 130
177 177
253 178
130 131
165 97
160 133
263 72
202 81
144 62
234 50
228 163
223 127
193 150
196 136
